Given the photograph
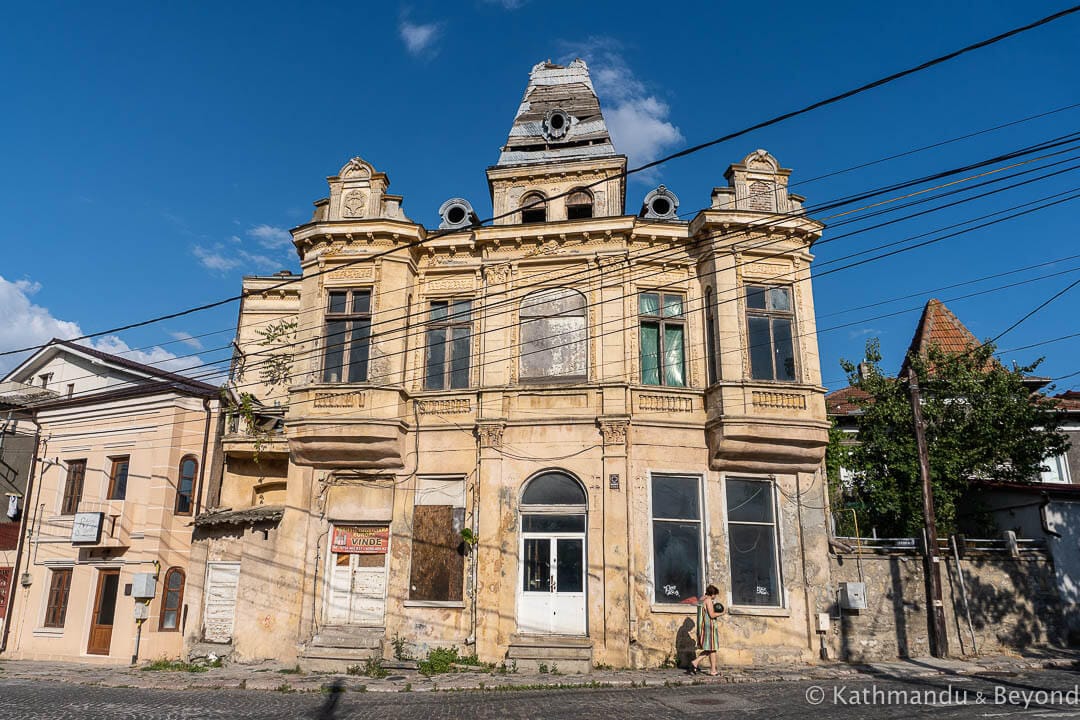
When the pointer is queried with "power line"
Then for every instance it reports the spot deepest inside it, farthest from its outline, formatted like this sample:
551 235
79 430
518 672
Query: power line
625 173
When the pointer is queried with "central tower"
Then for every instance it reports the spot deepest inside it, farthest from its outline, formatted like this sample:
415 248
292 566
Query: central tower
558 162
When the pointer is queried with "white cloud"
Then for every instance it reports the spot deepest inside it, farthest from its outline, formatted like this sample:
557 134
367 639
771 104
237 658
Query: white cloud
215 258
419 37
24 324
187 338
271 237
637 119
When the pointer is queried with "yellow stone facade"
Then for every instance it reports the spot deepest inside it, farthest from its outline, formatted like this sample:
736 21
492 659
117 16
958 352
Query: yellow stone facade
318 452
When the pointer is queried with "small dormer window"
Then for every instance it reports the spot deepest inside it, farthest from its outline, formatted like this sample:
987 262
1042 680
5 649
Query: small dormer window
579 205
533 208
45 379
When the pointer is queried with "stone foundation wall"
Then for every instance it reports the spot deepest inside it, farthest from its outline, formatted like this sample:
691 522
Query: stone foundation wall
1013 601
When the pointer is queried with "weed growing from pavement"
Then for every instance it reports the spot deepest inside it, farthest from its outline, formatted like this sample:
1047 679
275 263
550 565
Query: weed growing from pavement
164 665
400 651
285 688
371 668
407 688
443 660
292 671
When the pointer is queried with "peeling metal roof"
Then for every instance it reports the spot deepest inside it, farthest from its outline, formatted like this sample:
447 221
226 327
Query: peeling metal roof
557 88
247 516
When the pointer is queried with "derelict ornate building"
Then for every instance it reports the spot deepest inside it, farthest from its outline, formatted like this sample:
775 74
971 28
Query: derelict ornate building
538 438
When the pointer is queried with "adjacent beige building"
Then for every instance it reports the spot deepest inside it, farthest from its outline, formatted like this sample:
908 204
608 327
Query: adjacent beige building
538 439
123 451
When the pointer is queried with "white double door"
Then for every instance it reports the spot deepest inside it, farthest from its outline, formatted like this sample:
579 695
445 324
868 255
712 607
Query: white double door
357 589
551 597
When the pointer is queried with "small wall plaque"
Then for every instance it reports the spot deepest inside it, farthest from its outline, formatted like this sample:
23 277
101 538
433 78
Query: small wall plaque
613 481
86 527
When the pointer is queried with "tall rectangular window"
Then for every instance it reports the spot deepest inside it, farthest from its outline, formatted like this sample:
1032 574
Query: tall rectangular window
663 331
770 322
348 336
712 350
118 476
56 607
73 487
677 549
449 334
752 543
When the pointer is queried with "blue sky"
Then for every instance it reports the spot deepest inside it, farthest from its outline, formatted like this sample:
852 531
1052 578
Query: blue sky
155 153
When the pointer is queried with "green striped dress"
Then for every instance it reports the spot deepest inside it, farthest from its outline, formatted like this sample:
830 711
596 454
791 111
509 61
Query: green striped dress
708 630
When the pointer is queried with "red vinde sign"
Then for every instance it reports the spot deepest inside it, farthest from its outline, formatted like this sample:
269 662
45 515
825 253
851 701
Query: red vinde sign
361 539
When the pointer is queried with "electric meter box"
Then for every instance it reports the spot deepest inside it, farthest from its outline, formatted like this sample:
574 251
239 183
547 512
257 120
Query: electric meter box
144 586
853 595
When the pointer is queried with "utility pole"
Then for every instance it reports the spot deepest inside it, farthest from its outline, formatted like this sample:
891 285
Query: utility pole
935 608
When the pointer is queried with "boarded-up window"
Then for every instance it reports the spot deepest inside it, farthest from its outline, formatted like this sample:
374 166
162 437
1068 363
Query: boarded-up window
553 335
73 487
438 553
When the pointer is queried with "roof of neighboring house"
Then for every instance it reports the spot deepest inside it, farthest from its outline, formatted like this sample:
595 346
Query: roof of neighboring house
1068 400
939 328
845 401
137 366
1050 488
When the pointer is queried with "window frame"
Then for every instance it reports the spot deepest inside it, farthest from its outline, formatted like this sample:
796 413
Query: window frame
179 484
1062 469
771 315
56 613
662 321
703 546
583 313
171 572
449 324
590 204
117 461
527 212
781 587
351 318
73 487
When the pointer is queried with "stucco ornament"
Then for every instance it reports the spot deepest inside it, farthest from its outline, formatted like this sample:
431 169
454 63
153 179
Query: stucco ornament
614 432
354 204
556 124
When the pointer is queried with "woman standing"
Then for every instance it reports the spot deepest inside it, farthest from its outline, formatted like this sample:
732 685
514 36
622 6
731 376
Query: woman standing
708 630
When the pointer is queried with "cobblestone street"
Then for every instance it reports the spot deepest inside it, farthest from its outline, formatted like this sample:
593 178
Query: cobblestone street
880 695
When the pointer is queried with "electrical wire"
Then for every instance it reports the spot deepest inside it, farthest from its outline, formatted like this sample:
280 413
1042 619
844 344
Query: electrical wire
656 163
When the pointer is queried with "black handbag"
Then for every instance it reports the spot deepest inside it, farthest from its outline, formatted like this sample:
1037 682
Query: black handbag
718 607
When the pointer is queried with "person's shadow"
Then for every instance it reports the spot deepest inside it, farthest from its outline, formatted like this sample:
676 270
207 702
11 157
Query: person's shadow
685 644
329 708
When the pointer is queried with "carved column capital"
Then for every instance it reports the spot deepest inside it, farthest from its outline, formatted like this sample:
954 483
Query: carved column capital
614 430
490 434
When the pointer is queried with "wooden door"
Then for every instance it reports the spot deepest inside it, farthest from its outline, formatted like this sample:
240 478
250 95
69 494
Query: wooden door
222 579
101 623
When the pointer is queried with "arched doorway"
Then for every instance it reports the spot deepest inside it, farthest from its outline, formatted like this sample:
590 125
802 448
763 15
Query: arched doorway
551 584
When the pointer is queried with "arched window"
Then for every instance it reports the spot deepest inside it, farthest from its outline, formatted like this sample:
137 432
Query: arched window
579 205
185 485
553 502
533 208
553 335
172 599
553 488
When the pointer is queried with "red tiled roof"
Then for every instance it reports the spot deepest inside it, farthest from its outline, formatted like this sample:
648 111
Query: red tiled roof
1068 400
938 327
844 401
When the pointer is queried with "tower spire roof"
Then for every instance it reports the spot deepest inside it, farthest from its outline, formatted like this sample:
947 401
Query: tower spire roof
559 118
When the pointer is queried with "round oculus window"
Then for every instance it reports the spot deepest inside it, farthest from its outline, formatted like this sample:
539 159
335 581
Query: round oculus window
556 124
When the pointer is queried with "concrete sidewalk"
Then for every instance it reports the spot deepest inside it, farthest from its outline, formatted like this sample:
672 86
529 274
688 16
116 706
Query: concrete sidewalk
268 676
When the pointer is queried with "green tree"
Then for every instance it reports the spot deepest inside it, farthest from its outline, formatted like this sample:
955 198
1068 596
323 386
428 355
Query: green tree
982 423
